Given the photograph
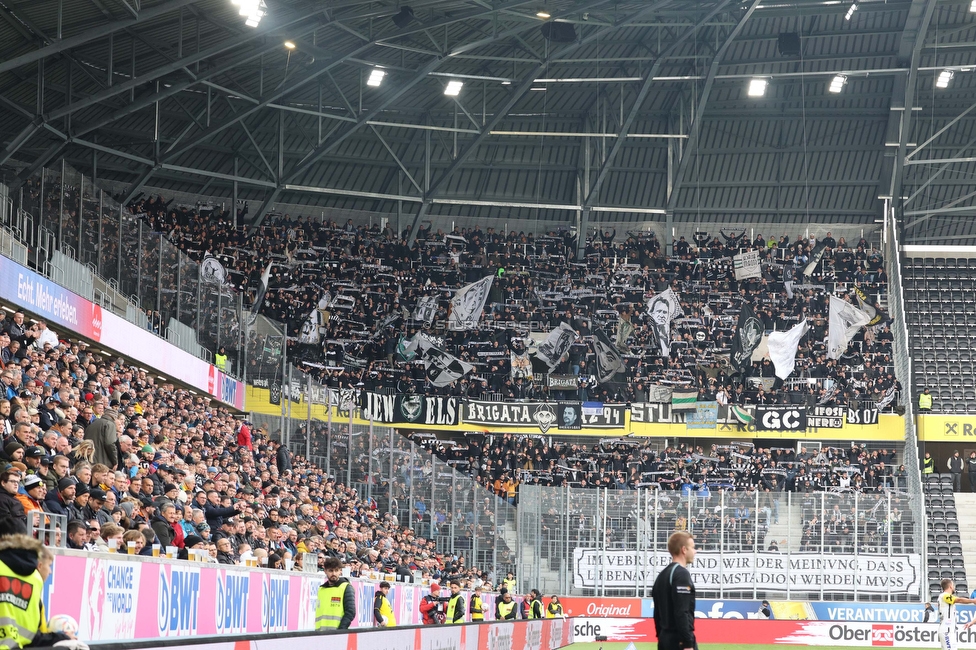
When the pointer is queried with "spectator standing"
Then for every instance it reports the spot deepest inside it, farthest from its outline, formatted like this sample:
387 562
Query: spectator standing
674 597
336 608
10 506
955 465
382 610
103 433
925 401
971 466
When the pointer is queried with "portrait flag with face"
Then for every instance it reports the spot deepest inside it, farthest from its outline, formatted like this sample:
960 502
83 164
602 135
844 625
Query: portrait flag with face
468 304
662 309
748 335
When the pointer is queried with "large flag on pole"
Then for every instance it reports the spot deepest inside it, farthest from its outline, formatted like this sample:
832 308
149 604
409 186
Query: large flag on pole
556 345
442 368
782 348
815 256
868 306
608 360
748 335
663 308
845 319
468 304
262 291
426 309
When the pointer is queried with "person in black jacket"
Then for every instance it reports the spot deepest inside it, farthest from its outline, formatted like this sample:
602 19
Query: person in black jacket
10 507
214 512
58 501
674 597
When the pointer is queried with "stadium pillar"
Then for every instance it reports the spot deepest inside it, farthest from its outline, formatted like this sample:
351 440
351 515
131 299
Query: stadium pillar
581 227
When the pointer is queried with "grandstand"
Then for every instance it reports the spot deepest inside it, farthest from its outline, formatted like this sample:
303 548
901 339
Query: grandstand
468 288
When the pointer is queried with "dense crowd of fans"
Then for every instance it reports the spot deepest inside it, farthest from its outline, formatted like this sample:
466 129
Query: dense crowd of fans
503 462
361 286
126 458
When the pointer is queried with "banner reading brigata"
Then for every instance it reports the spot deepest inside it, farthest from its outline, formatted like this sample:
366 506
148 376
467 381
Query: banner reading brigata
745 571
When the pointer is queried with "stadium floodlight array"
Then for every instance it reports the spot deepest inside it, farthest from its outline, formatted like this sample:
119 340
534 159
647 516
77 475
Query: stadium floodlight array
757 87
850 12
944 78
837 83
453 88
254 10
375 77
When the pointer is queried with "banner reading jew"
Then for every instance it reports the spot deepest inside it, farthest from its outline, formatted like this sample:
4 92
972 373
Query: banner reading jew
410 409
803 572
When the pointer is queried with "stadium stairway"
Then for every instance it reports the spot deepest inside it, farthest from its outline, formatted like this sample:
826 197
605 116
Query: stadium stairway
966 511
788 531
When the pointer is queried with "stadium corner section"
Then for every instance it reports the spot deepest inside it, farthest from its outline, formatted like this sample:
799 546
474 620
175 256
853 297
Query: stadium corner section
546 634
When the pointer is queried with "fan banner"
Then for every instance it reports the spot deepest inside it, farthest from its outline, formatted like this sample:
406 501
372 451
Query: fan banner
864 573
747 265
468 304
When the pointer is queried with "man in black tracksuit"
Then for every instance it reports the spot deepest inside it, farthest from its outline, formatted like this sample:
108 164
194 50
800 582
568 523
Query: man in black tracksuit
674 597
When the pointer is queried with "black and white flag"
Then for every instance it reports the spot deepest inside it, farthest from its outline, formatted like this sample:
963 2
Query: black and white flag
874 312
844 321
426 309
815 256
262 291
442 368
748 335
310 329
608 360
468 304
886 398
212 271
624 329
556 346
663 308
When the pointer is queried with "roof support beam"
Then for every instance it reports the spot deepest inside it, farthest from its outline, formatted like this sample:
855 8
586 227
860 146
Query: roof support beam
901 115
639 102
93 34
516 95
695 131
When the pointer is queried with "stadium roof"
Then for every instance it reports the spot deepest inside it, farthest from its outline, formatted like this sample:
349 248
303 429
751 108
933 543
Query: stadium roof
182 95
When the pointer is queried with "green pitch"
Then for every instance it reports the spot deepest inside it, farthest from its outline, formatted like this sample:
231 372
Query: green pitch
622 645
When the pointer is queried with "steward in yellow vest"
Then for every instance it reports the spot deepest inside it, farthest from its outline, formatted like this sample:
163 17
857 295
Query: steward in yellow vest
555 608
925 401
506 609
382 610
24 566
336 609
220 360
928 464
455 606
477 606
535 605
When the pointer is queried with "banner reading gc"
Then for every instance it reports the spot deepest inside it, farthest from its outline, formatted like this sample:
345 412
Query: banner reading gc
802 572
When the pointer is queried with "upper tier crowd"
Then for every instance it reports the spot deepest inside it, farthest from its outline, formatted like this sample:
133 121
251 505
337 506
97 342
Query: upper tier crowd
363 284
503 462
127 458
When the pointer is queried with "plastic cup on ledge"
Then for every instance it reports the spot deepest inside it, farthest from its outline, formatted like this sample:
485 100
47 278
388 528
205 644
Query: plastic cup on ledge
131 547
113 546
171 552
155 550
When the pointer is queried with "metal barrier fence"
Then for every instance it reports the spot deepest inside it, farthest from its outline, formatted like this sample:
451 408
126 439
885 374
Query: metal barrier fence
136 272
901 350
437 501
786 545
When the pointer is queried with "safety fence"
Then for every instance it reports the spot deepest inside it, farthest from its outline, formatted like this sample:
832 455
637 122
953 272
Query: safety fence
751 544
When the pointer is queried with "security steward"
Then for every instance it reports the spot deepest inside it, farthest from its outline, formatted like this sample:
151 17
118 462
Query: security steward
24 566
674 597
220 359
555 608
477 606
925 401
382 610
928 464
455 605
506 609
535 605
337 601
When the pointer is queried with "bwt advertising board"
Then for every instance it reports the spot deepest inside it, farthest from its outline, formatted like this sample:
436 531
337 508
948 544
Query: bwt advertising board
68 313
133 598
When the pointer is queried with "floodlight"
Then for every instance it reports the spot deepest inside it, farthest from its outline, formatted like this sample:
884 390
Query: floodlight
375 77
545 15
453 88
757 87
850 12
944 78
837 83
254 10
289 45
972 7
